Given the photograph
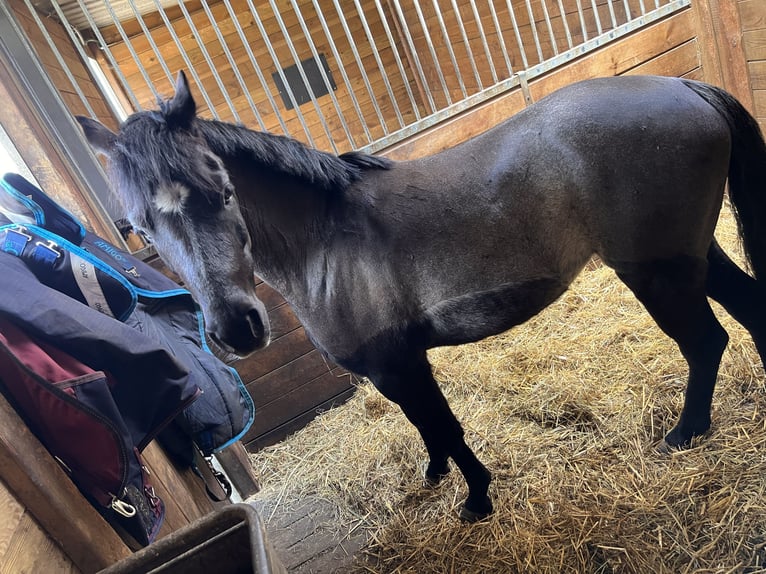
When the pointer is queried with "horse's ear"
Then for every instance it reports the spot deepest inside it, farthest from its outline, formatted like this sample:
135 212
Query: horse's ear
180 109
100 137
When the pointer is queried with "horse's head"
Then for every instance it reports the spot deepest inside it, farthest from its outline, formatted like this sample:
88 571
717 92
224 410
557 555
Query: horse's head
177 191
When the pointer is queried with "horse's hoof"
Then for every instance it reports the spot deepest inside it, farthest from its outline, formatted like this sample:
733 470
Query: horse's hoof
432 481
433 478
678 439
664 448
475 515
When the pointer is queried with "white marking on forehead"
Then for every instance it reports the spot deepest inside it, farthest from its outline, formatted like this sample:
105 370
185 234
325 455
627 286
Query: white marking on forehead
169 198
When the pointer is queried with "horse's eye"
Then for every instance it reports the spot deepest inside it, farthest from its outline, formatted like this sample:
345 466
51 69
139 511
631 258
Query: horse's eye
228 193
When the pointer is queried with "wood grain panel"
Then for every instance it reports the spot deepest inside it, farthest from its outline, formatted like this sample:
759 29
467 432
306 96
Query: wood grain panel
41 486
631 52
301 400
758 74
754 44
752 14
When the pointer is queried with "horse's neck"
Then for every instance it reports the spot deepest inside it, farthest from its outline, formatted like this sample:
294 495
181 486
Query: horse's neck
288 226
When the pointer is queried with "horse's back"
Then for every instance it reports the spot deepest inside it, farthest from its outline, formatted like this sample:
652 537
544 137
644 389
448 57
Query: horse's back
639 162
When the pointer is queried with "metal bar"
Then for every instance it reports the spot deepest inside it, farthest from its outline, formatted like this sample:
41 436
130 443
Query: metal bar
280 72
258 72
108 55
342 70
551 35
232 62
430 45
302 73
148 36
76 42
611 13
189 66
487 53
535 71
381 68
626 5
208 59
325 79
599 28
56 120
360 65
398 59
130 48
583 25
448 45
500 37
533 25
414 55
590 45
467 44
564 21
517 33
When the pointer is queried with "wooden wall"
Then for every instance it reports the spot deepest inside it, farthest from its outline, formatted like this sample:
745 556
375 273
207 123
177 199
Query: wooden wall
24 544
159 43
30 138
669 47
43 510
753 21
141 44
551 27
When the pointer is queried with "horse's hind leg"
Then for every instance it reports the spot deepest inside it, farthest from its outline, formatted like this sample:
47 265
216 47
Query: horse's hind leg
673 291
412 386
739 294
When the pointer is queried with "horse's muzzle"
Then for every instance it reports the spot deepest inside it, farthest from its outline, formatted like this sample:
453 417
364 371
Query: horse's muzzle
241 331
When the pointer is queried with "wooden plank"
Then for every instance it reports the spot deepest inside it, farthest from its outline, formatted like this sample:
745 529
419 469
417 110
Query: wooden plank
280 351
298 422
9 519
180 488
40 485
301 399
676 62
287 377
268 295
754 44
752 14
758 74
236 463
282 320
726 38
760 103
30 550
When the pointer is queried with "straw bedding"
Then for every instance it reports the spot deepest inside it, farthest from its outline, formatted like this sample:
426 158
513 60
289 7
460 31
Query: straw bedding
566 411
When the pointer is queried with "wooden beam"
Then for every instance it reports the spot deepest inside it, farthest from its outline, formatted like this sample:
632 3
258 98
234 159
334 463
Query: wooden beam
721 47
41 486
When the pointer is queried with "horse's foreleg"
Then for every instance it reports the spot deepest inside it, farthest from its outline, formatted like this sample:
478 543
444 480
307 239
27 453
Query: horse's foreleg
674 293
415 390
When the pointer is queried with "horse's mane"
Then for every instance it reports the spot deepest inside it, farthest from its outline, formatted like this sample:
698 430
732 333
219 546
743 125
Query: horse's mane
288 156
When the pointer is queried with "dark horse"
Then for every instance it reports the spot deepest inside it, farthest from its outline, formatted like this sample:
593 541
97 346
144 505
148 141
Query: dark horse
382 260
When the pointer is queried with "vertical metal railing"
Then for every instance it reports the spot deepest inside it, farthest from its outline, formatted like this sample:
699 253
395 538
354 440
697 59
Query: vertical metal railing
394 66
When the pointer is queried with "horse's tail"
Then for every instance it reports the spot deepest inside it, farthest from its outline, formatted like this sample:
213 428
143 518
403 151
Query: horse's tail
747 173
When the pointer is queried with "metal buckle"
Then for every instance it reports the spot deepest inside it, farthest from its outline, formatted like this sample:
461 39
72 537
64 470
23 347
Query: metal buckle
15 241
46 252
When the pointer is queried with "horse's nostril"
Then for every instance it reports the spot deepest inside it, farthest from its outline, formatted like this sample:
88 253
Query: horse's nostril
259 327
